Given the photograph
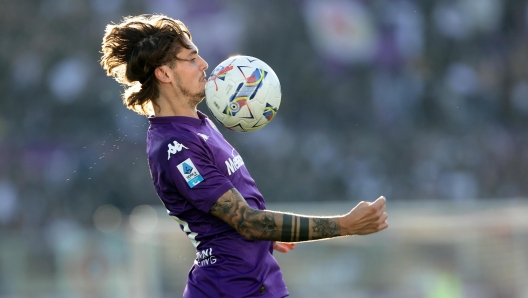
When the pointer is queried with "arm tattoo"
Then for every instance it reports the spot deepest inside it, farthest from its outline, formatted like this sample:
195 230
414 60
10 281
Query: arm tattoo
222 205
254 224
304 231
266 225
286 234
324 228
289 228
297 228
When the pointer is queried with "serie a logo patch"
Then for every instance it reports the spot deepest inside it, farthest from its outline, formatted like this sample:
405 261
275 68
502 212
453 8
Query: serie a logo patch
190 173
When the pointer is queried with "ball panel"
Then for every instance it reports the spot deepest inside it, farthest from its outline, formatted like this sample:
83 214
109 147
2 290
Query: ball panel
274 97
243 93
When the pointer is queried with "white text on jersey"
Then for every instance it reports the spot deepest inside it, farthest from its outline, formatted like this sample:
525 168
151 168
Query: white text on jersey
205 257
234 164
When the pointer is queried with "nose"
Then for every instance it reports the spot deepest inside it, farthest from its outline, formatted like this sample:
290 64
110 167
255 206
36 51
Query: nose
204 64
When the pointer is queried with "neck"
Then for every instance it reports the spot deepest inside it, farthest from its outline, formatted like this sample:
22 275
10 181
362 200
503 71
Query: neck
174 106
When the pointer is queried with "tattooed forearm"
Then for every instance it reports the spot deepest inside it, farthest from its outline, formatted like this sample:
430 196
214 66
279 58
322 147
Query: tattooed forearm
304 224
222 205
257 224
269 225
266 225
297 228
251 223
287 230
324 228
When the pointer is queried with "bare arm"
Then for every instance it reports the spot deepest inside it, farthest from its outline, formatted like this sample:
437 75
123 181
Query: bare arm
232 208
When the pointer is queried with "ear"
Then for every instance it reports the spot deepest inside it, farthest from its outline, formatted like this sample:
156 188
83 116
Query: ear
163 74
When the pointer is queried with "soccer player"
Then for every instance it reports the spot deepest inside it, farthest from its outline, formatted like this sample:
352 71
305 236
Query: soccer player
200 178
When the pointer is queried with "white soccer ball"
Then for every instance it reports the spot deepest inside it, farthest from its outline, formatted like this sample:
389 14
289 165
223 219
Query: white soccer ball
243 93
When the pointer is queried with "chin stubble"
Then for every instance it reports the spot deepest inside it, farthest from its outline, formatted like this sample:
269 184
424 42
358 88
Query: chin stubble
194 98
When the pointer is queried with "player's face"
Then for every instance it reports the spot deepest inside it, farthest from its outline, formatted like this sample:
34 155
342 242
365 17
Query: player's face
189 74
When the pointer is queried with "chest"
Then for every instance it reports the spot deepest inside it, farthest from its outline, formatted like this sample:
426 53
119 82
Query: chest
225 157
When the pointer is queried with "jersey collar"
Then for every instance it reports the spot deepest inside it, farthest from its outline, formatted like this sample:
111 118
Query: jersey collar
202 118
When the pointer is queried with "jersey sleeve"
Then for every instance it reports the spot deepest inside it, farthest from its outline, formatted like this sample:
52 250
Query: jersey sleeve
193 172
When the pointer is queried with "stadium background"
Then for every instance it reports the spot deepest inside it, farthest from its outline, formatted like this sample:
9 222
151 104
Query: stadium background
424 102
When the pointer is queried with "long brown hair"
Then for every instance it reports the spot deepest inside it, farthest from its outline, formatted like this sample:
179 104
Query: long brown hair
134 48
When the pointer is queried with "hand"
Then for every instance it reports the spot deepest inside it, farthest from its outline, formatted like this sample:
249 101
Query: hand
283 247
365 218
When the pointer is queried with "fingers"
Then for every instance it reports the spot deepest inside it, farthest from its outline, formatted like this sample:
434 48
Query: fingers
379 202
379 205
290 245
367 218
363 203
382 221
283 247
383 225
381 210
278 247
379 221
383 217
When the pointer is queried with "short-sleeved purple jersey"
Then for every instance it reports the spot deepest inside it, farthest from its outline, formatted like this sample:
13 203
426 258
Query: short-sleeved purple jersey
192 165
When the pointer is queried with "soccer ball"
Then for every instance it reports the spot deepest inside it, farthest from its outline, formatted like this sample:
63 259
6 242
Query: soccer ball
243 93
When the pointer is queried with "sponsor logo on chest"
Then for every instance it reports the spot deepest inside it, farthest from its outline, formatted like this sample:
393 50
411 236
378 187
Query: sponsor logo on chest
234 163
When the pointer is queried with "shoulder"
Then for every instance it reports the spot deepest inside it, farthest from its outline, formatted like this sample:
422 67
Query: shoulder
181 142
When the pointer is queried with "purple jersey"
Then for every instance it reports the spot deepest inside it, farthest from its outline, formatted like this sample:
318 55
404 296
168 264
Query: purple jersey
192 165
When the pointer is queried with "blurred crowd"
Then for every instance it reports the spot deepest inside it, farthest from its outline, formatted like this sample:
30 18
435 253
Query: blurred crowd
413 100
